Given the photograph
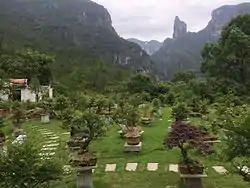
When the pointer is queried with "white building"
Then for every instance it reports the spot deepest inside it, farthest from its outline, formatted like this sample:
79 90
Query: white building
24 93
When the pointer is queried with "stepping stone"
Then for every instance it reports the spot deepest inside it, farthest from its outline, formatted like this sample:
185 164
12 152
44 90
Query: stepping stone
53 138
48 133
68 133
110 167
220 169
170 120
50 145
49 149
173 168
47 154
131 167
152 166
50 142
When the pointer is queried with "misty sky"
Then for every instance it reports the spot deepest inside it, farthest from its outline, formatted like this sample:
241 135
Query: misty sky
153 19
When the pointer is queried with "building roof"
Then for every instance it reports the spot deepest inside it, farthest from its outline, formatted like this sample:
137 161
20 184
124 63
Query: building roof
21 82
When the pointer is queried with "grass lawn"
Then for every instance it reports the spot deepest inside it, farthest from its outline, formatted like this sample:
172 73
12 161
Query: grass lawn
109 150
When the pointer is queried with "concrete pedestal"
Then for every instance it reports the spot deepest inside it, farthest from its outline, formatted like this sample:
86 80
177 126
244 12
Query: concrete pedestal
132 148
84 177
192 181
45 118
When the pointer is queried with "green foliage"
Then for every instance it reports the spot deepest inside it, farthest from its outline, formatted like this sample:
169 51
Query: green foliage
89 124
183 76
1 122
198 107
35 86
61 103
229 57
237 148
23 167
28 64
18 113
180 111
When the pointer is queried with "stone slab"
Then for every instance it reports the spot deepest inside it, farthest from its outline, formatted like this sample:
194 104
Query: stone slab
51 141
173 168
152 166
220 169
49 149
53 138
47 133
110 167
51 145
131 167
68 133
132 148
47 154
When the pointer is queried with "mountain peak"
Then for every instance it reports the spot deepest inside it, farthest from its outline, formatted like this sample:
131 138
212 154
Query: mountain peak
180 28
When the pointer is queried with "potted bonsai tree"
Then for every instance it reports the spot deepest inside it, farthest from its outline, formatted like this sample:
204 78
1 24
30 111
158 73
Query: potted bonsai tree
186 136
18 115
84 128
133 132
146 118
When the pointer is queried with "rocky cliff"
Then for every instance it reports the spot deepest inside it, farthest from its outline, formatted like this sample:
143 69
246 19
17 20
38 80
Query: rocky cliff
176 54
148 46
180 28
72 30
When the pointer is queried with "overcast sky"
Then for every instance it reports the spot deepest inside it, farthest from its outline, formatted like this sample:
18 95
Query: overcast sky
153 19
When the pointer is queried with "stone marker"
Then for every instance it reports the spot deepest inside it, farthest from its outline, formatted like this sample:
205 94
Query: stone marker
132 148
152 166
173 168
50 145
220 169
110 167
131 167
49 149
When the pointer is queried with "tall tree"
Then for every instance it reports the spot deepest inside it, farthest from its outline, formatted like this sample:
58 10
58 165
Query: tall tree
28 64
36 87
229 58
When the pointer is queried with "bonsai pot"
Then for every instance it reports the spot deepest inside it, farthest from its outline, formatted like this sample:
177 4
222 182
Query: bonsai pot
191 168
83 159
146 120
73 143
133 139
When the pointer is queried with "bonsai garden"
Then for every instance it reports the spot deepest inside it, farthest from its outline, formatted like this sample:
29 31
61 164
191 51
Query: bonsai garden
185 133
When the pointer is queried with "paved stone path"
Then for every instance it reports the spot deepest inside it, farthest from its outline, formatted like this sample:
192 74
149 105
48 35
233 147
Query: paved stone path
51 145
